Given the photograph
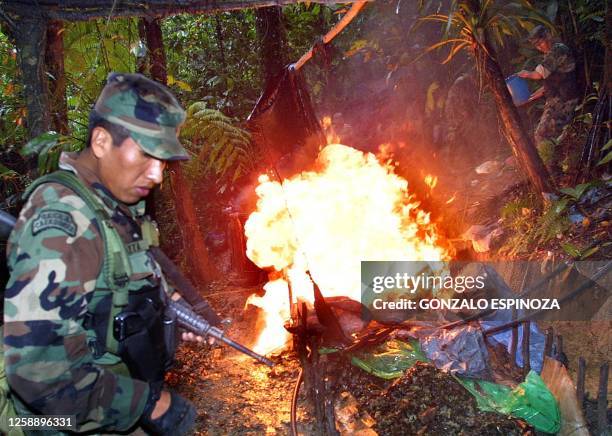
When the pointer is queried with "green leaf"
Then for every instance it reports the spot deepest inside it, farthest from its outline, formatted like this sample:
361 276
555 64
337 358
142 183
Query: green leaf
607 146
571 249
183 85
36 145
551 10
607 158
559 206
590 252
577 191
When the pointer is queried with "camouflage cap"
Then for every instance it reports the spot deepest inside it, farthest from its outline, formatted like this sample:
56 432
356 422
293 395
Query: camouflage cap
148 110
538 33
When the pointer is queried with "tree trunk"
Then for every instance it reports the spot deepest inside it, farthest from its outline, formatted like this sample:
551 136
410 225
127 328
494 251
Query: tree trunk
272 39
142 60
54 59
196 254
31 39
198 260
220 43
521 143
155 47
607 76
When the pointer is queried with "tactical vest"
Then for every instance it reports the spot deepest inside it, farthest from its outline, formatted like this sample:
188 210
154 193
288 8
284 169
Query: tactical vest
126 327
559 84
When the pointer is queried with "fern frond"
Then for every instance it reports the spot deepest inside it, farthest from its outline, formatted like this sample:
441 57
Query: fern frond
222 149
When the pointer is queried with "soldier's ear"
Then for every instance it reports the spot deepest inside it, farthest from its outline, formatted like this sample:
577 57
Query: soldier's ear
101 142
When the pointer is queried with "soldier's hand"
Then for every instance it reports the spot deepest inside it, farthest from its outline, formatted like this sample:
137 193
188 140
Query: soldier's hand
524 74
190 337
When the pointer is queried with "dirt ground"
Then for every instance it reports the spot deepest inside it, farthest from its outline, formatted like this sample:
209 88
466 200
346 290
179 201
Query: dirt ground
233 393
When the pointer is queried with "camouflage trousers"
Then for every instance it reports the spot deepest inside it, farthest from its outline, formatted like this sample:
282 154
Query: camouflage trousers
557 114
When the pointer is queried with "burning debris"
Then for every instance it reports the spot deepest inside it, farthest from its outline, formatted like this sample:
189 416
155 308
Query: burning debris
325 221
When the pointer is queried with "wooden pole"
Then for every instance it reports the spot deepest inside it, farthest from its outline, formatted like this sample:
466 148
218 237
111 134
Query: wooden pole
549 342
580 381
525 348
602 401
346 19
514 338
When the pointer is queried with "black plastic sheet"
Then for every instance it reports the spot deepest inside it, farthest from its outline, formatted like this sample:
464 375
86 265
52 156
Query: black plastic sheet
284 125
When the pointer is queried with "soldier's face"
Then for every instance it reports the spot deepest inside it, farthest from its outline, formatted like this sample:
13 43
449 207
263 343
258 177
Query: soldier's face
128 172
544 45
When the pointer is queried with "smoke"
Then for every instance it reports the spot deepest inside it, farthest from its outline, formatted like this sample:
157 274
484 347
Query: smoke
385 96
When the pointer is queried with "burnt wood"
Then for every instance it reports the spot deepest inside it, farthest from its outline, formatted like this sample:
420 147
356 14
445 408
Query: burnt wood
525 348
602 401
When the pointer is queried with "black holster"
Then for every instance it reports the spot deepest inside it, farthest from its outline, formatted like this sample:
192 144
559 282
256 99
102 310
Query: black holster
147 339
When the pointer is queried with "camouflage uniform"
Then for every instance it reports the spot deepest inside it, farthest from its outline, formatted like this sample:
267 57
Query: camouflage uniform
56 254
558 69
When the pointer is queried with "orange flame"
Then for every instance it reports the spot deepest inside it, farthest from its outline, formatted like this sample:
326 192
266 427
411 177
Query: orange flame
431 181
328 129
353 208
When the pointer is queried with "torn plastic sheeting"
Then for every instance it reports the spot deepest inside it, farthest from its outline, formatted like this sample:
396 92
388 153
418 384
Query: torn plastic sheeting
537 341
457 351
389 360
284 125
530 400
558 380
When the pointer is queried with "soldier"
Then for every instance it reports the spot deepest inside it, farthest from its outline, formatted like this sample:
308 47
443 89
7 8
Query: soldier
558 72
60 314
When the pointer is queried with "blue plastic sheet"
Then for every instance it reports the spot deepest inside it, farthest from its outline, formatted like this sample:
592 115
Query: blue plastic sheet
537 340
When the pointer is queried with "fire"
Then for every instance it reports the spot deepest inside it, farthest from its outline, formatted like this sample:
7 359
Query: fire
352 208
431 181
331 136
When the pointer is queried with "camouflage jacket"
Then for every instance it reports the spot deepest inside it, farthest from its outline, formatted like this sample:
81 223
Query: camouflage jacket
558 68
55 255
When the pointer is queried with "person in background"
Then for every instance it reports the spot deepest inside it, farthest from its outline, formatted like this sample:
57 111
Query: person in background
557 71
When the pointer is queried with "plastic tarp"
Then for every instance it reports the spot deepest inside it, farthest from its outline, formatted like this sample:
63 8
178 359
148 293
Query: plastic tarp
537 341
284 125
558 380
460 351
390 359
530 400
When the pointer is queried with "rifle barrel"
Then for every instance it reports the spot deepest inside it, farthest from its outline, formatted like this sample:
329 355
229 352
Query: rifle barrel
191 321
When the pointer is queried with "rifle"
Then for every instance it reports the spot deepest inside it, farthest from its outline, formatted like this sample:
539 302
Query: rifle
194 323
185 316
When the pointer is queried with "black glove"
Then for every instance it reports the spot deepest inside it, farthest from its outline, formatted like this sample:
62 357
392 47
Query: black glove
178 420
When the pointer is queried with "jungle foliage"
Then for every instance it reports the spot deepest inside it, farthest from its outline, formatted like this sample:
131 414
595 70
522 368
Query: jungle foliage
214 67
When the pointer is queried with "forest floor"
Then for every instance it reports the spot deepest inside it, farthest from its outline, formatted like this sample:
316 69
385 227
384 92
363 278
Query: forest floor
233 393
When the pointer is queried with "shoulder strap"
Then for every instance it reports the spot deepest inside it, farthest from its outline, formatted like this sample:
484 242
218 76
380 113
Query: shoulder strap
116 266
